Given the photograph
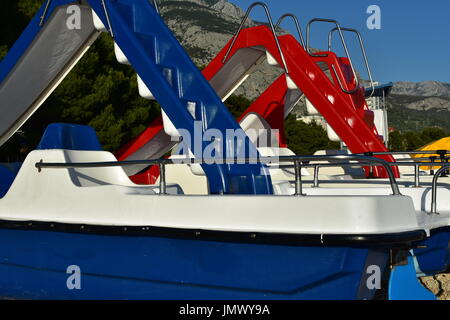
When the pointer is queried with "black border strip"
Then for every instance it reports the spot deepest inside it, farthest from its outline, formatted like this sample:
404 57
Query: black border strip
390 239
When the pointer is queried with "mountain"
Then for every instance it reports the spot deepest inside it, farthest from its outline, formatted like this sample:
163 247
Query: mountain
422 89
414 106
412 113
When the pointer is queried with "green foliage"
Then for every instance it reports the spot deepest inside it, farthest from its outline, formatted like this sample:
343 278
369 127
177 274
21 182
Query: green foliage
405 119
12 22
307 138
411 140
396 141
432 134
3 51
29 7
237 105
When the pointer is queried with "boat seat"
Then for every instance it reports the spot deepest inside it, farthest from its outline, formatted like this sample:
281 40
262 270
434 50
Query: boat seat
69 137
80 144
8 173
6 180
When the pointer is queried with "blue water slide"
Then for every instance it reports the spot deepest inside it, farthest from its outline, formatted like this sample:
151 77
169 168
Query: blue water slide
176 82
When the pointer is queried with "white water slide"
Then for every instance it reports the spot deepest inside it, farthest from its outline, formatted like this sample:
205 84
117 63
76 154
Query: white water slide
38 63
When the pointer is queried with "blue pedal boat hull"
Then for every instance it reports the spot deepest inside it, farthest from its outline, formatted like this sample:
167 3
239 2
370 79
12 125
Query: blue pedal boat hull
34 264
433 254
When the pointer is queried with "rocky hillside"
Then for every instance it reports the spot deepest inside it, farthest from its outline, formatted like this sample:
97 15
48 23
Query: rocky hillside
422 89
414 106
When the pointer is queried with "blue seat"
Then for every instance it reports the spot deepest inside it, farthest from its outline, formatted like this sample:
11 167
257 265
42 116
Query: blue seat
56 136
69 137
6 179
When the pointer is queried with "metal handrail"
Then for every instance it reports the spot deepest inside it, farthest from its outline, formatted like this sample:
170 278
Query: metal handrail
297 25
434 189
344 44
44 14
269 18
363 50
441 156
369 154
416 166
420 159
108 20
297 160
155 4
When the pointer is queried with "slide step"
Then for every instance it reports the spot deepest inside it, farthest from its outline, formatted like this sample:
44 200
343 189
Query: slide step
120 56
144 91
98 24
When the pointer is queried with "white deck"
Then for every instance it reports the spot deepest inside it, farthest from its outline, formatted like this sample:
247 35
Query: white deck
106 196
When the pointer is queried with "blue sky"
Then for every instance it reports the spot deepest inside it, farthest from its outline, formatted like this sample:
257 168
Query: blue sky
412 45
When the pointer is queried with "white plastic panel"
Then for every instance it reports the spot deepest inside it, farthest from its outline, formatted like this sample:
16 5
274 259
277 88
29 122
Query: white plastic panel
311 109
271 60
381 123
332 134
291 84
120 56
144 91
169 127
98 24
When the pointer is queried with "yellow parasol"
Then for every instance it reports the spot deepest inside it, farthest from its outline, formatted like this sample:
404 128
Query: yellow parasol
443 144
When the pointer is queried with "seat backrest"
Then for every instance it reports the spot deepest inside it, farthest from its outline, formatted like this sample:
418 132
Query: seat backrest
69 137
6 179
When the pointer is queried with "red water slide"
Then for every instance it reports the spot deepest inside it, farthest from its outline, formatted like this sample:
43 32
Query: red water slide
346 113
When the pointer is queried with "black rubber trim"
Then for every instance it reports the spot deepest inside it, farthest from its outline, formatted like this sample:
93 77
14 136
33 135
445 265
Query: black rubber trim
390 239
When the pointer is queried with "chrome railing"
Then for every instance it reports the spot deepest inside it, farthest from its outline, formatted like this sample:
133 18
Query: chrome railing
44 14
297 25
434 189
108 20
269 18
363 50
298 161
435 160
399 153
155 4
416 165
344 44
